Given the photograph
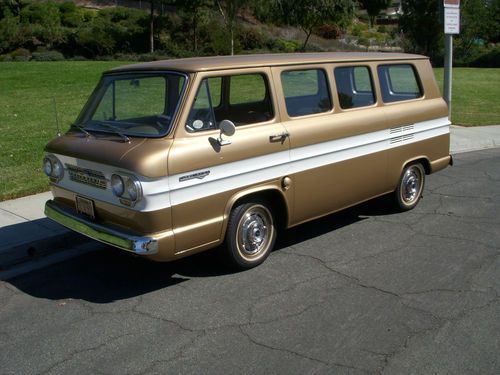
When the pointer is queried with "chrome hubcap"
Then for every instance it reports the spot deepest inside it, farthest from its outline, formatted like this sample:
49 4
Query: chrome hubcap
253 234
411 185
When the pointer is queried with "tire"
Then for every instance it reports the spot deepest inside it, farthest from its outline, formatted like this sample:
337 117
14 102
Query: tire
250 235
410 187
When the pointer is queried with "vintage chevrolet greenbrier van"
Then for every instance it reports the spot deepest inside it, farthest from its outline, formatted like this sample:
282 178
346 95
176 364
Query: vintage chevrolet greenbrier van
171 158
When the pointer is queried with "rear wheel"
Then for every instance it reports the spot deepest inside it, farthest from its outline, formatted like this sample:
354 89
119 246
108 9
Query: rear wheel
251 234
410 187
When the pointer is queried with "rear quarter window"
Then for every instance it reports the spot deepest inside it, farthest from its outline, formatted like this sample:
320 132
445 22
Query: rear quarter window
306 92
399 82
354 86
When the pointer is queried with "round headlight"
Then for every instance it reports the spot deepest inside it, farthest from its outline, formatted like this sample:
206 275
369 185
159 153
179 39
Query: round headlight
57 169
117 185
47 167
132 189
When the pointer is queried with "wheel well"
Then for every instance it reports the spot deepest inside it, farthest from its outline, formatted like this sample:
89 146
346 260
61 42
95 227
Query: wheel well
425 163
274 199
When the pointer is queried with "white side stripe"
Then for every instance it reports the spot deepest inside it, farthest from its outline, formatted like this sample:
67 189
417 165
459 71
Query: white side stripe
170 191
251 171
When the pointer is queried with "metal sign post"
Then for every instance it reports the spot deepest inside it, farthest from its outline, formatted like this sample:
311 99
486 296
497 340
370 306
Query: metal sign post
451 26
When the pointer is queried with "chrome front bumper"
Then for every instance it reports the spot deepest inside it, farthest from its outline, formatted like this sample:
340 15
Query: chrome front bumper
122 240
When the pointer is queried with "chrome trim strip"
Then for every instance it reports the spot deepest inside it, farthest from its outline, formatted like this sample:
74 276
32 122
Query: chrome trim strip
124 241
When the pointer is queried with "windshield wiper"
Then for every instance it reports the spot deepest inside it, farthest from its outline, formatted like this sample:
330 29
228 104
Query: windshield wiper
115 130
79 127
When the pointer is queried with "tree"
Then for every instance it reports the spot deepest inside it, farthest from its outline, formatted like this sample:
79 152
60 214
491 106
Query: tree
152 4
44 19
422 28
308 14
193 8
477 25
228 10
9 31
14 6
374 7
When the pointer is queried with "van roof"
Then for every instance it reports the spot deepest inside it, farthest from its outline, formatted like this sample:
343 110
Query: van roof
198 64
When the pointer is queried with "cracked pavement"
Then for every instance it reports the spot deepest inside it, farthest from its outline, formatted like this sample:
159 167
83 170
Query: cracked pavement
366 290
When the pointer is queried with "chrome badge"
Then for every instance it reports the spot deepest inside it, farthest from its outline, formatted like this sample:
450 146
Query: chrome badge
198 175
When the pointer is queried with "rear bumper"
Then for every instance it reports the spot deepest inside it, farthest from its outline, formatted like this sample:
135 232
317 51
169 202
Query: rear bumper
138 245
442 163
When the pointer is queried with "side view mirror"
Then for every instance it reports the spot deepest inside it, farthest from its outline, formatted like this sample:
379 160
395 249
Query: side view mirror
227 128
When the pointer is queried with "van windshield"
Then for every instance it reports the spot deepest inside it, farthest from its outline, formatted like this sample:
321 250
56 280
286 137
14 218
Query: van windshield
141 104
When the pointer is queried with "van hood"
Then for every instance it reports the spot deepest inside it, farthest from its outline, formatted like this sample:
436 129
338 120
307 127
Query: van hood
144 156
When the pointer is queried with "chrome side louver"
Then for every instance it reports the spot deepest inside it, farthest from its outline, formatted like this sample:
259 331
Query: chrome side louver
403 137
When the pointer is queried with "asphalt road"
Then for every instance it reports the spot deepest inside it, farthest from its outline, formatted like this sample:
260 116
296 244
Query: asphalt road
366 290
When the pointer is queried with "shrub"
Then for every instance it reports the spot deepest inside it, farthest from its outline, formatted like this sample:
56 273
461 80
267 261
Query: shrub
220 41
363 42
328 31
4 58
125 57
313 47
358 28
20 54
490 59
158 55
285 45
382 29
48 56
250 38
481 57
77 58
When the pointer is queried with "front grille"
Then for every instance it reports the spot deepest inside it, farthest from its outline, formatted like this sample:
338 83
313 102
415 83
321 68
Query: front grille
86 176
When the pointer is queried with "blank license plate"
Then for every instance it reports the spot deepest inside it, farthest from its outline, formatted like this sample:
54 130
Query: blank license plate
85 206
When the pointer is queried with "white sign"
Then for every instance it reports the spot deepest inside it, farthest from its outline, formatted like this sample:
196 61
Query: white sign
451 20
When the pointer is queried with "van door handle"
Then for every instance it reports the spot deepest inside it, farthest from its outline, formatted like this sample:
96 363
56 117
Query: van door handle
279 137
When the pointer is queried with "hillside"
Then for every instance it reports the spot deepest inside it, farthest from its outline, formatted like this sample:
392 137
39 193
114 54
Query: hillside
84 29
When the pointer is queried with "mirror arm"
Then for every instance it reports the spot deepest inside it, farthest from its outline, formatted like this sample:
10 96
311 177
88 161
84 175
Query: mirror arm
227 128
223 142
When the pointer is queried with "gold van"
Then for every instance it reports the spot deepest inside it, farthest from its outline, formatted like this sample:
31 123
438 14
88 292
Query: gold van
171 158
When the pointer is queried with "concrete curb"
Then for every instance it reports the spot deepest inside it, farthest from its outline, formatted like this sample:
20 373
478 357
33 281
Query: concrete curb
27 236
466 139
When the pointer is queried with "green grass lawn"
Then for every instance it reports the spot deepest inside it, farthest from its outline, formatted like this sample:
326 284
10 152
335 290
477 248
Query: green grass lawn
475 95
27 117
28 122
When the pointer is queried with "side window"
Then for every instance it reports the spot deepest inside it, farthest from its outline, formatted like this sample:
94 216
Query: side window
249 88
354 86
249 100
215 85
399 82
201 116
306 92
243 99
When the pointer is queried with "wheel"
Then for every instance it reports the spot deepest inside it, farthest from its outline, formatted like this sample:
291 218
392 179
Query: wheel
250 235
410 187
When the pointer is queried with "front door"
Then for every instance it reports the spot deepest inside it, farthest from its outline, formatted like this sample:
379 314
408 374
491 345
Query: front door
207 168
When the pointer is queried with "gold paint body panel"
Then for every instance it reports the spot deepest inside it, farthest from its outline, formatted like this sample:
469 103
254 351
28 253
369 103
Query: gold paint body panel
145 156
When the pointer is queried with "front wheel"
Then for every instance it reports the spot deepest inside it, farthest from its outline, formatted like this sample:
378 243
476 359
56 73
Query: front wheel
410 187
251 234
